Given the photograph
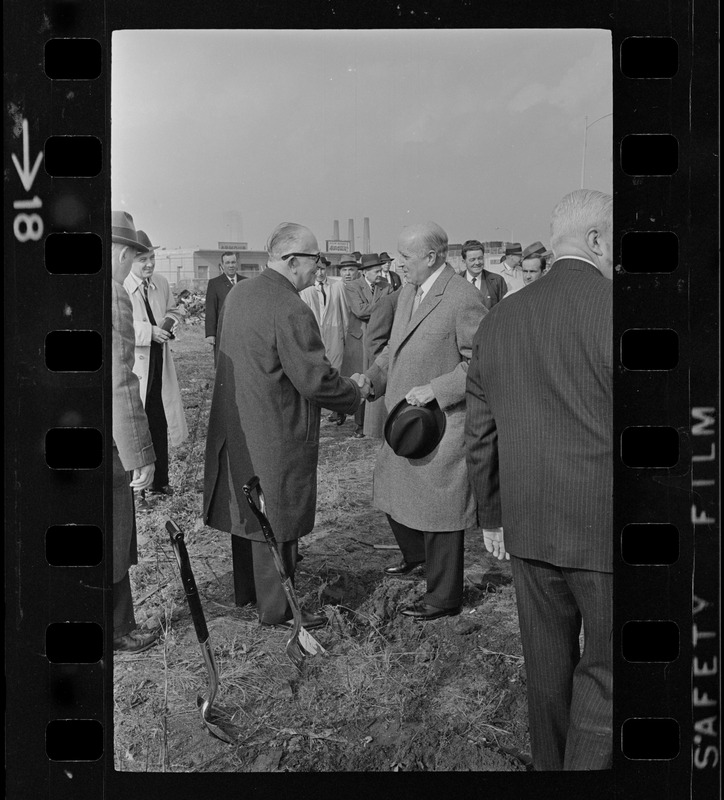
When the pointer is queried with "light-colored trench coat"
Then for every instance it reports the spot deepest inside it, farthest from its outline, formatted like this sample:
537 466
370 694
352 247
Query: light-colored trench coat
161 301
332 317
433 346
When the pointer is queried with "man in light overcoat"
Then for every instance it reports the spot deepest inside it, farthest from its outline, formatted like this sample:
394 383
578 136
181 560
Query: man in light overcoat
272 380
152 302
428 501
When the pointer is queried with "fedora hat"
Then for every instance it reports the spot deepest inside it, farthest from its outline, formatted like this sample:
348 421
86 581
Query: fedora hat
513 249
348 261
414 431
386 258
370 260
123 230
145 241
536 249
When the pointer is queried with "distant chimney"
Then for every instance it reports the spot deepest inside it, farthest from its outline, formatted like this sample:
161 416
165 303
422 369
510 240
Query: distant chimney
335 235
350 235
366 235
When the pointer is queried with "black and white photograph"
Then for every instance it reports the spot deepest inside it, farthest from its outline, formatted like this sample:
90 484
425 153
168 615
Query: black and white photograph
362 400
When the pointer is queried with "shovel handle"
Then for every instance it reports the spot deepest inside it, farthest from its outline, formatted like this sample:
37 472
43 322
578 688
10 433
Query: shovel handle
187 579
260 513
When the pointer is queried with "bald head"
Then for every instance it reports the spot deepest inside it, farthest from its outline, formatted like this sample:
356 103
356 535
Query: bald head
582 225
422 248
287 238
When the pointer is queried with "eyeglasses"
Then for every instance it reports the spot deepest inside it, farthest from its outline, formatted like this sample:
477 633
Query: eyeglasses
318 258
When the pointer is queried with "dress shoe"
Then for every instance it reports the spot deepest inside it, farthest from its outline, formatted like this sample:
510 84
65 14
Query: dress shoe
167 490
309 621
341 419
424 612
139 501
135 641
402 568
333 417
358 434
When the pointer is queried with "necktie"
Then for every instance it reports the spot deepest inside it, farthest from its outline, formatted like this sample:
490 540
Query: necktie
475 277
418 300
321 289
151 318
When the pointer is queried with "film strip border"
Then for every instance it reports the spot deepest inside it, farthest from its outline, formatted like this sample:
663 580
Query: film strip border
666 638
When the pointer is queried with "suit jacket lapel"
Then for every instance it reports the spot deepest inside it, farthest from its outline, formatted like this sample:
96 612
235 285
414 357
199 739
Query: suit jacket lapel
404 307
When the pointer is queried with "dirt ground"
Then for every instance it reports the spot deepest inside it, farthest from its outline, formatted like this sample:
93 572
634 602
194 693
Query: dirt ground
390 694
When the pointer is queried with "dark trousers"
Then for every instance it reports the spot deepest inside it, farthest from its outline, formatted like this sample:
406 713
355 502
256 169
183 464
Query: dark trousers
442 552
570 697
157 424
359 415
256 578
124 620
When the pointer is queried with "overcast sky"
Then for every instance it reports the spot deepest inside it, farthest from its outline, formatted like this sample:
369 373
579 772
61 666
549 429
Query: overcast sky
221 135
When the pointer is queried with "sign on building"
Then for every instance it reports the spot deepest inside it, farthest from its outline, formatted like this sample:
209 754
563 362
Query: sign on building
338 246
233 245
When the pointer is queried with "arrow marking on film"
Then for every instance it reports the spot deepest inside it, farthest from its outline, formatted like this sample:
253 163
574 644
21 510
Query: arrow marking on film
27 175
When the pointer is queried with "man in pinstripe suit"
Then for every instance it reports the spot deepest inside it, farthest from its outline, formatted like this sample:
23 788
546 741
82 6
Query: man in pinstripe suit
539 403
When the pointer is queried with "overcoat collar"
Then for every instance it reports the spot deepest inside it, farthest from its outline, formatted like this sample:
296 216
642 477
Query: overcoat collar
431 299
574 263
279 279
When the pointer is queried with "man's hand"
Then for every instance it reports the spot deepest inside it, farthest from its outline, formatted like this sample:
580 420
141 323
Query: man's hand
159 334
420 395
210 340
364 384
493 538
143 477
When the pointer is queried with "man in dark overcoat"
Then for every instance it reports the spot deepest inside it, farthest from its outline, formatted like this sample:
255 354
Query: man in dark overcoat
539 438
272 380
133 456
428 501
217 290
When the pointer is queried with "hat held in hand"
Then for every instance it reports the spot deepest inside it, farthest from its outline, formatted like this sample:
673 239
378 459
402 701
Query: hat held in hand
414 431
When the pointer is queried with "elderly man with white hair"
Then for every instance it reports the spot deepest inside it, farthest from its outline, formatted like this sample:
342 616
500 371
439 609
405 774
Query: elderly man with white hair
540 403
272 380
427 498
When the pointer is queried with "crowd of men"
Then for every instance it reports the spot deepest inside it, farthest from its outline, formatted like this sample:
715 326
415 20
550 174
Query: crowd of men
491 392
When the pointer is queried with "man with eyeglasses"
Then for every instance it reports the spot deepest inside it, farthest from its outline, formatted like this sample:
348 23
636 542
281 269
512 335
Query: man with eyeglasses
492 287
272 380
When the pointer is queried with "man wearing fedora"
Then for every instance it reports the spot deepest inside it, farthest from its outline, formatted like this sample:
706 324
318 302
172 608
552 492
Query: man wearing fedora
420 478
155 316
392 278
133 456
272 380
534 262
510 267
217 291
552 415
362 296
492 287
348 269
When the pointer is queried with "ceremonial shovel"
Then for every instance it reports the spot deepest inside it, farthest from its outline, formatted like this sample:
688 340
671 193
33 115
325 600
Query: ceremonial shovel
300 641
202 632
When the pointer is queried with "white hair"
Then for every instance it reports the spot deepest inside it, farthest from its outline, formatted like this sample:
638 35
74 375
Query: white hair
577 213
429 236
285 238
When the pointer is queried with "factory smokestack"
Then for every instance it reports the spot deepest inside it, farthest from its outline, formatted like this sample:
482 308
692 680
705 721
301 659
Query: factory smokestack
366 235
350 235
335 235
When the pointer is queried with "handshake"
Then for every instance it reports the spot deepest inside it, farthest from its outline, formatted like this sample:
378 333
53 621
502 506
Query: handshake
364 384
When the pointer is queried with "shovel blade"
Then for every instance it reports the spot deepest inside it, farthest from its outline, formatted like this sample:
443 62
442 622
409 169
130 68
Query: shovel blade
309 644
213 727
